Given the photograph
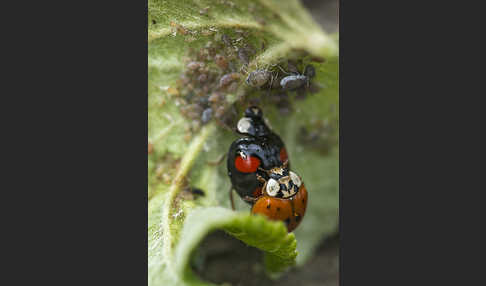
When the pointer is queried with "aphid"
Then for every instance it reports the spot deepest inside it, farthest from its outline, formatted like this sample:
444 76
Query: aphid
228 78
203 101
193 66
259 170
295 81
192 111
216 97
310 71
221 61
243 56
226 40
220 112
202 78
258 78
206 115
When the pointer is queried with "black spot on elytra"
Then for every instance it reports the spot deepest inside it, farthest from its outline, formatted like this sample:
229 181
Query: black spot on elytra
303 201
268 206
297 217
278 209
287 221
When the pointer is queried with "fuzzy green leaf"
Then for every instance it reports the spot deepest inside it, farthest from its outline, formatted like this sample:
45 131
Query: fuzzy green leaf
179 153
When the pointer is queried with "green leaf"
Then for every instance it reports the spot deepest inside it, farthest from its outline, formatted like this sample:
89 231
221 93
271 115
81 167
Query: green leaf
256 231
177 219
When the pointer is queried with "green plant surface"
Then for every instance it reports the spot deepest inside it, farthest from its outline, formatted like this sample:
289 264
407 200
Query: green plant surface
178 220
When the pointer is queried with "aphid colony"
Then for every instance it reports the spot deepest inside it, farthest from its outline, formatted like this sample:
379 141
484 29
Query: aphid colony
259 170
222 67
292 81
210 74
275 83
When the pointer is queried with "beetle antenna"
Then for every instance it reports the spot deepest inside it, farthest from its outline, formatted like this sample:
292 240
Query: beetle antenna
266 171
286 163
261 179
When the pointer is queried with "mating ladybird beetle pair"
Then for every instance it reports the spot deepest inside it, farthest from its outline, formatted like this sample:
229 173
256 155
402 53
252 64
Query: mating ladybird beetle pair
259 170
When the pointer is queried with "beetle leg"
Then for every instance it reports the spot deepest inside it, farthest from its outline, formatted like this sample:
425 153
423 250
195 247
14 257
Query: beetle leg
261 179
286 163
249 199
217 161
231 198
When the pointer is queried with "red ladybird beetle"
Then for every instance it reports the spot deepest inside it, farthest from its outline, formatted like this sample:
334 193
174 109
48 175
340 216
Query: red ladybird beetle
259 170
284 197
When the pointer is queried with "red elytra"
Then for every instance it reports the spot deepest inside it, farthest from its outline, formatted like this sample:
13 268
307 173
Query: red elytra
283 155
248 164
291 211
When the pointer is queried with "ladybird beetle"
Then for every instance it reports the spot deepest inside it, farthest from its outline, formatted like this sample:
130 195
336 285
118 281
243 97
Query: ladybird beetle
284 197
260 149
259 170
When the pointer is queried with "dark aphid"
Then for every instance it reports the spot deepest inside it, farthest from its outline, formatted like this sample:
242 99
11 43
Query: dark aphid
226 40
243 55
192 66
154 22
233 66
202 78
202 101
206 115
293 81
221 61
258 78
310 71
197 192
220 112
190 193
216 97
228 78
192 111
